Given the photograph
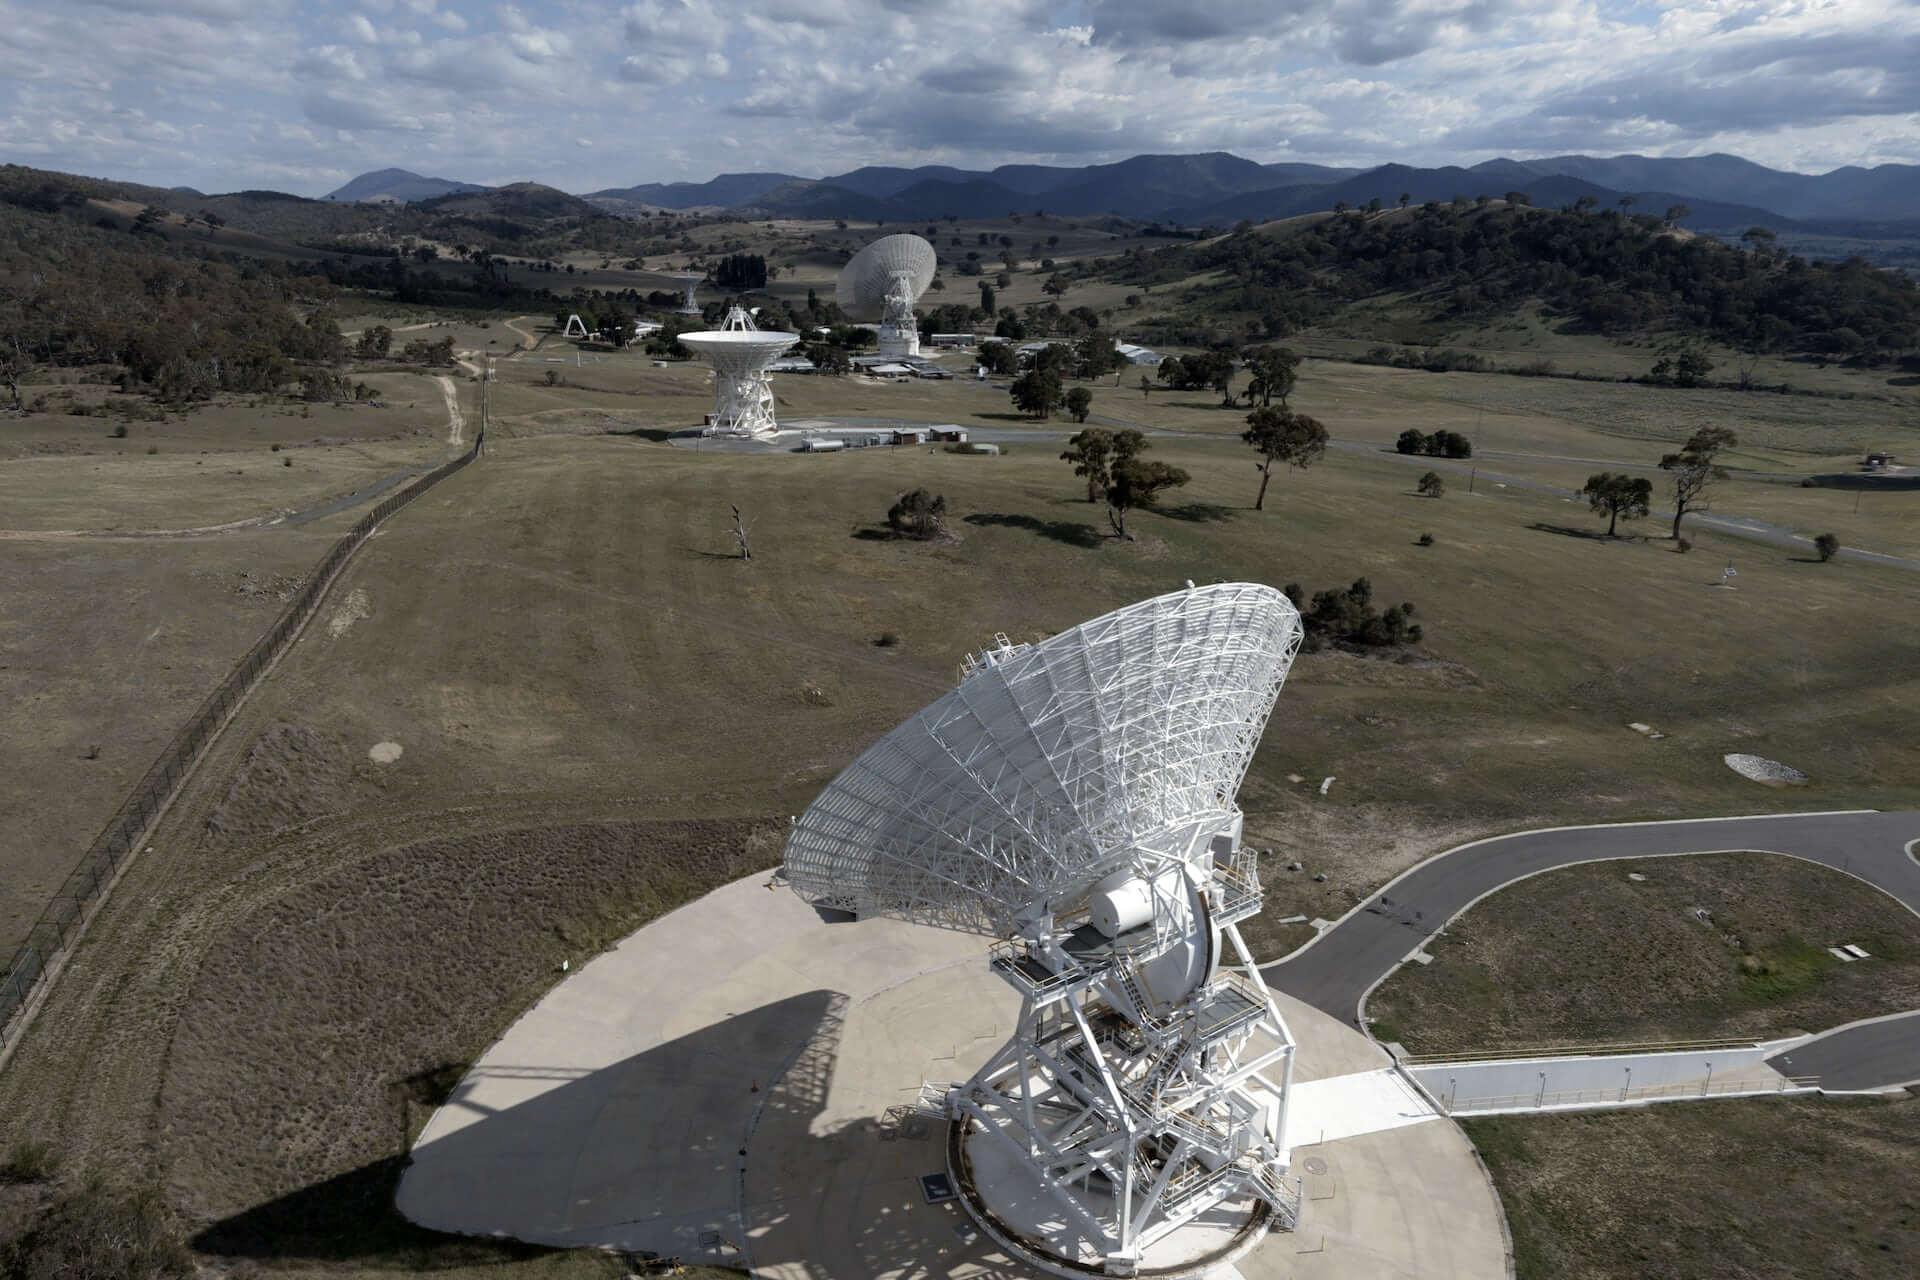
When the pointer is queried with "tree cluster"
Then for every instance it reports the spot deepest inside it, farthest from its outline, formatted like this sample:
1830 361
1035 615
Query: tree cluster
1442 360
1111 464
1206 370
741 271
176 324
1346 619
1436 444
1685 365
1605 270
607 318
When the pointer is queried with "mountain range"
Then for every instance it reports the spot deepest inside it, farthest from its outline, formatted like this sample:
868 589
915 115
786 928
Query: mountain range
1219 189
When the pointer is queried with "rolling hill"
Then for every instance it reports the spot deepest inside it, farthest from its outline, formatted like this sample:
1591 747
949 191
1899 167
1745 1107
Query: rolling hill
725 191
1220 188
398 186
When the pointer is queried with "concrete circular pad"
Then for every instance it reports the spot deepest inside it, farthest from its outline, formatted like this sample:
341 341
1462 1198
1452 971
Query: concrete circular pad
737 1082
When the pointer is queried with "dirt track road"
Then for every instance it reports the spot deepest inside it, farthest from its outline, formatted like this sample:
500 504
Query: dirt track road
456 421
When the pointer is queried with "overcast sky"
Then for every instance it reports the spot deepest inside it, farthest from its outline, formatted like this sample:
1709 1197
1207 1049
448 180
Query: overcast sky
226 94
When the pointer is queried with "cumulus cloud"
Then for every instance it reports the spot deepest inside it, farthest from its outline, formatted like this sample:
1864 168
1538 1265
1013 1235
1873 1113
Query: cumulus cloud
217 93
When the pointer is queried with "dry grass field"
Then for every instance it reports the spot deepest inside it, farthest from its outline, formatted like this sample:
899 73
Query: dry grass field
233 459
597 704
111 645
1752 1189
1591 955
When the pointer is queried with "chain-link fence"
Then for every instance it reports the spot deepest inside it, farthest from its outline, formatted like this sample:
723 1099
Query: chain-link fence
59 924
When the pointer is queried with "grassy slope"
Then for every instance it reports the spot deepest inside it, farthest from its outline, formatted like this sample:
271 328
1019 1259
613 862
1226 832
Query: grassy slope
1590 955
1734 1190
113 645
558 634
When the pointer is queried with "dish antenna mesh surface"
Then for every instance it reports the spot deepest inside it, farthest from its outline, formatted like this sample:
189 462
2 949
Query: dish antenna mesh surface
885 279
1075 799
740 354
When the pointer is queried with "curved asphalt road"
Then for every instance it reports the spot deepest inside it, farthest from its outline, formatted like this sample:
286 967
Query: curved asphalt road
1335 972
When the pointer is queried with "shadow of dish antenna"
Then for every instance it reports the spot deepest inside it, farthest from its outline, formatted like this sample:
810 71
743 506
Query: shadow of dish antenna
1074 800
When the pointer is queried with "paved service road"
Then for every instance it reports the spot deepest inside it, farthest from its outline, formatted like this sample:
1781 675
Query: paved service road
1869 1055
1336 971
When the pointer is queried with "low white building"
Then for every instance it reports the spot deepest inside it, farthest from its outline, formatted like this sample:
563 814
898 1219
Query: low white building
1133 354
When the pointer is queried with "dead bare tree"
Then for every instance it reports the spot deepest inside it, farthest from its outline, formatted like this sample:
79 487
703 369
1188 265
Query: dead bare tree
740 534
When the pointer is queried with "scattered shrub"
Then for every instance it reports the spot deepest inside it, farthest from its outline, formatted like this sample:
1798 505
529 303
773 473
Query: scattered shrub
887 639
119 432
1683 545
29 1160
1432 486
286 462
1346 619
1827 545
1426 540
102 1233
1445 360
919 515
1439 444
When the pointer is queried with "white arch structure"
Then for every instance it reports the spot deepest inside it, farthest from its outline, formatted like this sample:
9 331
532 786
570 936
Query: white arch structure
1075 799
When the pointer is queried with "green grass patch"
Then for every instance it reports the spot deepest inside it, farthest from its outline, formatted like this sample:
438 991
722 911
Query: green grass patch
1657 949
1727 1190
1785 970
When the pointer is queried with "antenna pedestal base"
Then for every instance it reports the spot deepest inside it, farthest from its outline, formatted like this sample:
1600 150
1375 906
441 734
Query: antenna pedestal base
1005 1199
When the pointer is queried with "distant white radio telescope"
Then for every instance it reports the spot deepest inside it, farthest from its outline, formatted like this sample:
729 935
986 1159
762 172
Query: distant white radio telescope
742 389
688 283
1074 799
885 279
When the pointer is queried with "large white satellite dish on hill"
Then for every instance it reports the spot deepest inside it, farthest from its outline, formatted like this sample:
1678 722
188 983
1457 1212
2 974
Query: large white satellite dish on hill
742 389
885 279
1074 799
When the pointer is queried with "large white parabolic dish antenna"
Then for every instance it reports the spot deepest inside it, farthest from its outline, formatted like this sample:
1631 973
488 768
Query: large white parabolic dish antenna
1075 799
883 281
740 354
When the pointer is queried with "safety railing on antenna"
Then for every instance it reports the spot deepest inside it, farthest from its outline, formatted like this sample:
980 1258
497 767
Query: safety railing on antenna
1240 892
1015 961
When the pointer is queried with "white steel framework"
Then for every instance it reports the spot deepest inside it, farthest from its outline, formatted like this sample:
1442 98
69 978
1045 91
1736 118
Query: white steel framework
742 387
688 283
890 274
1074 799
